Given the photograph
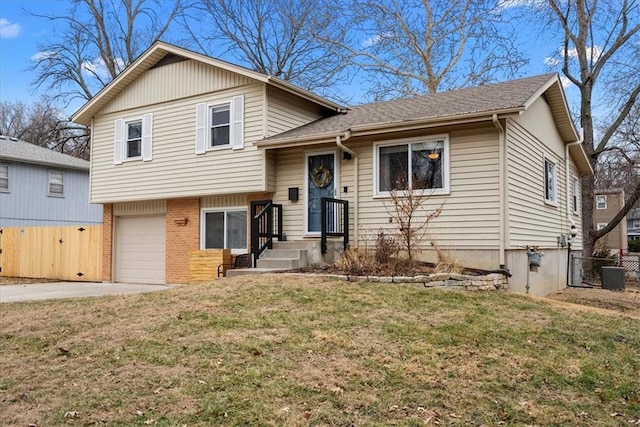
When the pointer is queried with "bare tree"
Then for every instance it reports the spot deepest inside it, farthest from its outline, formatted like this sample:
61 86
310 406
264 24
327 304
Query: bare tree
407 208
41 123
275 37
97 40
599 54
409 48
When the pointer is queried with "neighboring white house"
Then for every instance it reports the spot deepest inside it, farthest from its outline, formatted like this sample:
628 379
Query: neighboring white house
183 143
41 187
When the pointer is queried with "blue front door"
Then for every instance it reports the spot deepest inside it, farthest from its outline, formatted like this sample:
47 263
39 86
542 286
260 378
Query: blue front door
320 183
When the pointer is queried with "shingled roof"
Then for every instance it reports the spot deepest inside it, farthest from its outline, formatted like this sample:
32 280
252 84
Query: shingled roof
502 98
21 151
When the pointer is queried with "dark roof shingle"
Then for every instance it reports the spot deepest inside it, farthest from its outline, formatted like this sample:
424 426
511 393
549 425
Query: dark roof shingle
501 96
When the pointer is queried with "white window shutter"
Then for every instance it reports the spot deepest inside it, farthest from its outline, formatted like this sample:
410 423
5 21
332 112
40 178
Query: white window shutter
118 142
201 123
237 122
147 136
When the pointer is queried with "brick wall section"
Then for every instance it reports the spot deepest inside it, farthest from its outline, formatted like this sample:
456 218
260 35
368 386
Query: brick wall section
182 237
107 242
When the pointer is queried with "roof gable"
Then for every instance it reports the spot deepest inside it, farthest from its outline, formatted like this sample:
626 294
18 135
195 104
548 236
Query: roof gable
163 53
24 152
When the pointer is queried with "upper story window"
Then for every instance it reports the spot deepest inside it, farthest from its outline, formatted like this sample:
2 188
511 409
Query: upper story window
636 223
56 183
574 195
134 139
421 164
601 201
4 178
601 225
550 180
219 124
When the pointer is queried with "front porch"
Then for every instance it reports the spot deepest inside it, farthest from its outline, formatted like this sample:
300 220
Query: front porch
270 251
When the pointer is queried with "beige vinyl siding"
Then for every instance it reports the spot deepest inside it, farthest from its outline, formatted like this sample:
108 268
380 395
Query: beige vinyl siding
140 208
531 220
176 171
286 113
270 170
576 217
470 214
471 211
174 81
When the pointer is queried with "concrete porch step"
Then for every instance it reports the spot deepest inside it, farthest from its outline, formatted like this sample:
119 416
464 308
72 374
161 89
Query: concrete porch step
281 263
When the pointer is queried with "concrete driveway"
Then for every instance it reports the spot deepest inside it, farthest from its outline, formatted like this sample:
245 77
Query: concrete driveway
54 290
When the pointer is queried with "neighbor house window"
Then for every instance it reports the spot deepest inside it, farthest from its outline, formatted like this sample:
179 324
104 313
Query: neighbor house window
415 165
56 183
601 202
219 124
549 181
134 139
4 178
224 229
601 225
574 195
636 223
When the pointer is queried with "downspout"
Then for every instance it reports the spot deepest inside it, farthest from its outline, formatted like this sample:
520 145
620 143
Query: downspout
502 190
354 156
568 197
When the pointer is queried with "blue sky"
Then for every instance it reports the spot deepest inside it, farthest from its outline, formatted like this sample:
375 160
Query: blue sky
21 32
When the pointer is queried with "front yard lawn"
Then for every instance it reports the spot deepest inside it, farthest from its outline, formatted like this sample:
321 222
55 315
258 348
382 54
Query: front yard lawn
297 351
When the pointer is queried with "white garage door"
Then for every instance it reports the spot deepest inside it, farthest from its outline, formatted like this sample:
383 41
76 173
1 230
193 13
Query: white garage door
140 249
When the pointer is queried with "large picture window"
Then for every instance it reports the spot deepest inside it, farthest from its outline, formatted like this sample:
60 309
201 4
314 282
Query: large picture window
414 165
224 229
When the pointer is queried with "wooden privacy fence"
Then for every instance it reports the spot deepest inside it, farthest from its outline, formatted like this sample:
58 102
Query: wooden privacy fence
63 253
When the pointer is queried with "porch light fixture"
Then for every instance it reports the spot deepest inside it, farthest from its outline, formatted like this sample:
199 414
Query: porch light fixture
181 222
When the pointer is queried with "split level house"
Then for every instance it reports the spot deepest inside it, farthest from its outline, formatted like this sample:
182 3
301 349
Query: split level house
192 155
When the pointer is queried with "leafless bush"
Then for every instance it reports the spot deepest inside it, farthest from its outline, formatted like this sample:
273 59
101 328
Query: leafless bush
386 248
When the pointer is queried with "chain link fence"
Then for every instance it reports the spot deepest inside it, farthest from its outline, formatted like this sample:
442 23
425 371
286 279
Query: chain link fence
588 271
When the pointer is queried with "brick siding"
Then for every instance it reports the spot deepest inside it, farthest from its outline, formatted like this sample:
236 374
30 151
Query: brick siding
182 237
107 242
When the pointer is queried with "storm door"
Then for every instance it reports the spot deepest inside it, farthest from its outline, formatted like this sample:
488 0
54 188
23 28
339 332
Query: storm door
321 182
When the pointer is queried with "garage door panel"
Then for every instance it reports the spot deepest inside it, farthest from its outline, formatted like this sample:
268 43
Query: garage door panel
140 249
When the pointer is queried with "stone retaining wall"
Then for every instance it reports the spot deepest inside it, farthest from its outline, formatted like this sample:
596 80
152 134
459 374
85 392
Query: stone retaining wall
489 282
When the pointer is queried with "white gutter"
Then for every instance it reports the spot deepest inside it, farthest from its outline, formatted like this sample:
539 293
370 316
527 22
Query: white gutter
502 170
354 156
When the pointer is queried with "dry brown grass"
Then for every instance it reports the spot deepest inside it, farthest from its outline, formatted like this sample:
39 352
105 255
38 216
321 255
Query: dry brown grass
297 351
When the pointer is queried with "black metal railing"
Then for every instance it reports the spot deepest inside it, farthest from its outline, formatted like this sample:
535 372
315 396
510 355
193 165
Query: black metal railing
334 215
265 226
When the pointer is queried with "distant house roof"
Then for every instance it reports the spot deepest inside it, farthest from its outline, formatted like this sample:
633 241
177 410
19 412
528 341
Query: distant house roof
21 151
455 106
